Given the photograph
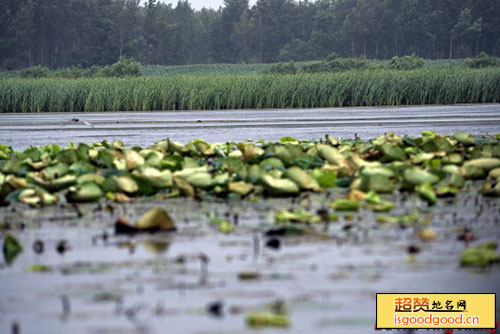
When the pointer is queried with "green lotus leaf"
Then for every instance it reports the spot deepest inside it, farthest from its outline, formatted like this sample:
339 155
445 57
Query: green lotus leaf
486 164
126 184
220 179
421 157
446 191
226 228
302 178
133 159
189 162
153 159
284 140
172 162
378 183
372 197
429 134
370 171
159 179
271 163
96 178
392 152
117 145
240 187
260 320
297 216
493 175
451 169
331 154
325 178
277 186
39 268
11 248
384 219
16 182
283 154
249 151
185 188
464 138
480 256
120 164
55 171
438 144
175 146
232 165
155 219
53 184
275 173
426 192
344 204
199 179
86 192
235 154
254 173
472 172
383 207
417 176
456 180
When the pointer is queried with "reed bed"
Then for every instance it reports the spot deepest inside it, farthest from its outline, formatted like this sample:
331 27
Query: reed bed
250 91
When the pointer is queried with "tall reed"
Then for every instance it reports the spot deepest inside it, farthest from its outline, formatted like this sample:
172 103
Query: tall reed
249 91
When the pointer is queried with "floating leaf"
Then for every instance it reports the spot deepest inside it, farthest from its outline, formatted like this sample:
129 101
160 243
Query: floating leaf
427 193
133 159
303 179
438 144
86 192
332 155
383 219
325 178
472 172
152 221
417 176
259 320
40 268
55 184
279 186
378 183
11 248
249 275
159 179
345 205
226 227
481 256
485 164
240 187
271 163
126 184
464 138
372 197
446 191
383 207
392 152
427 235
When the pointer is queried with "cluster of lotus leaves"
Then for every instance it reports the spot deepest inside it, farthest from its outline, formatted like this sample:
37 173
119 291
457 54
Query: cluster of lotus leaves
431 165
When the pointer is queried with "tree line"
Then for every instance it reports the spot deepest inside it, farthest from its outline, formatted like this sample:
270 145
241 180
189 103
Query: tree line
63 33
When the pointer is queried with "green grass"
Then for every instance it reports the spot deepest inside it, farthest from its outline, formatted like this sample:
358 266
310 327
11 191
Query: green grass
249 91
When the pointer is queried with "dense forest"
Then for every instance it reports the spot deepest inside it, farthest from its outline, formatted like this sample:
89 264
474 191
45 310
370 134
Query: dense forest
62 33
